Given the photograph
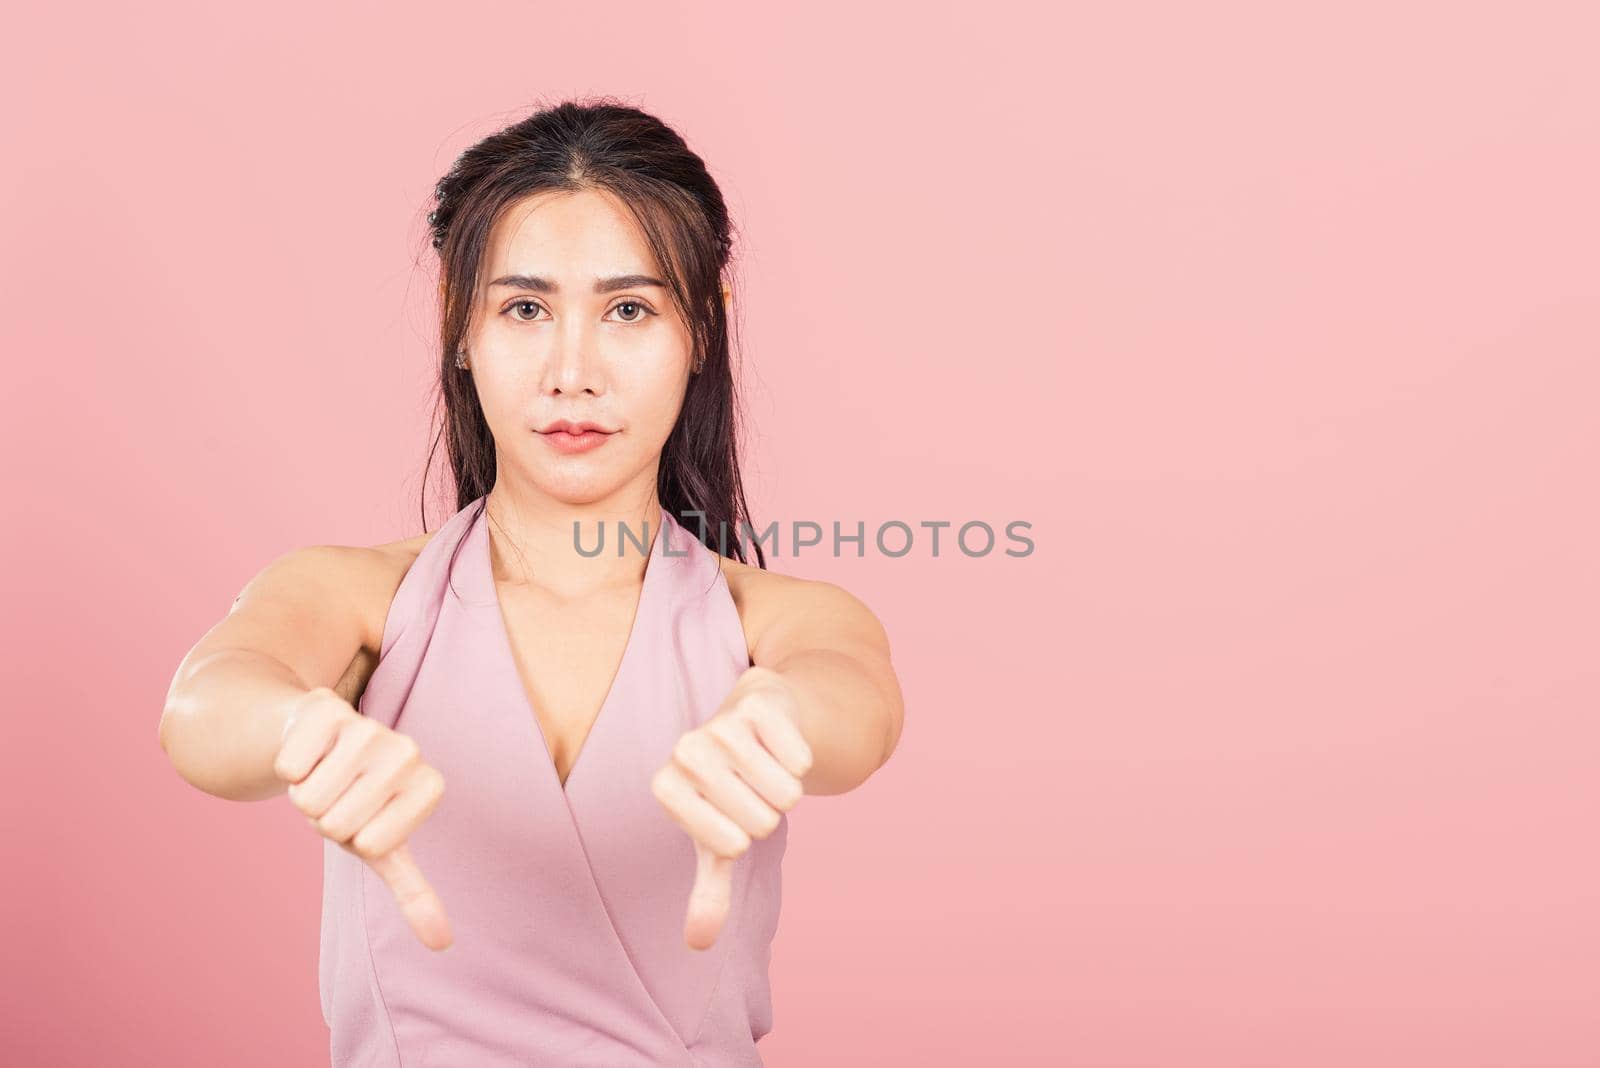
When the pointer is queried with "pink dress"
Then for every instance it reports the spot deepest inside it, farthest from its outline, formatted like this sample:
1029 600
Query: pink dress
567 904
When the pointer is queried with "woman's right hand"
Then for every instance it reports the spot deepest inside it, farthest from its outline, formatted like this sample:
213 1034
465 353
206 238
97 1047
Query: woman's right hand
365 787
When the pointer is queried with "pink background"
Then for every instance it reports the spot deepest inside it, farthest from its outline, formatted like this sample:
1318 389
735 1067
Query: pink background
1280 329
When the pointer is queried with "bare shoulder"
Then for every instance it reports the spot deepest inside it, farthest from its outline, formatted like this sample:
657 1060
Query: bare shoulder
386 567
407 548
321 610
364 577
776 608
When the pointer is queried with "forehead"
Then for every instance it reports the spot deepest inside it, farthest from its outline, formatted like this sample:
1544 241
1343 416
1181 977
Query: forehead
559 234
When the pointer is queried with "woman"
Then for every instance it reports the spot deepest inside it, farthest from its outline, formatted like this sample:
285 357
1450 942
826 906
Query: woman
622 732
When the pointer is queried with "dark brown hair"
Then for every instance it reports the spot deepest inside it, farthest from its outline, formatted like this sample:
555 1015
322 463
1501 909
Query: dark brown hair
602 144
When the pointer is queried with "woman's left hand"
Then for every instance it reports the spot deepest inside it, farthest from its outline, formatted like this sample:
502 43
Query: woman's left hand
730 780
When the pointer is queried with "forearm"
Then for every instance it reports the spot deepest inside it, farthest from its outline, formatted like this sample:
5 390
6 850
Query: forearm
848 713
223 723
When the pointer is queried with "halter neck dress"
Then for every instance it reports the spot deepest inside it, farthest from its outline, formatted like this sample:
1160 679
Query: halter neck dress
567 903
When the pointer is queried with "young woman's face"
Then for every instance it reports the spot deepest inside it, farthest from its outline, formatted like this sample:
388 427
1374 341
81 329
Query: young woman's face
573 323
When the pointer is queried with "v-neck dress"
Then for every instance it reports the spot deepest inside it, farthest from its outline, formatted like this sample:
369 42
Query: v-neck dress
567 904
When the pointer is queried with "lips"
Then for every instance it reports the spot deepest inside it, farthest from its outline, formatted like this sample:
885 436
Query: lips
567 426
568 436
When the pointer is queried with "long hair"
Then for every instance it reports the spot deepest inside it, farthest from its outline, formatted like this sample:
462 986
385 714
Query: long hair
607 145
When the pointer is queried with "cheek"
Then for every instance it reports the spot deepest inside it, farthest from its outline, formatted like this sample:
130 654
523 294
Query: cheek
505 398
652 394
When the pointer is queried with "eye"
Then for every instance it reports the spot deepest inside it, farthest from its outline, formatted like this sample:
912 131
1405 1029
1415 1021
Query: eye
520 304
632 311
638 310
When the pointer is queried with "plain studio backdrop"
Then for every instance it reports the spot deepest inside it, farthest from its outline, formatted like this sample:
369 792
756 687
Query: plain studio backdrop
1278 326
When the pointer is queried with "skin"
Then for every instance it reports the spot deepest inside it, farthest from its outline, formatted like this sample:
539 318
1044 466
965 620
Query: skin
820 678
818 710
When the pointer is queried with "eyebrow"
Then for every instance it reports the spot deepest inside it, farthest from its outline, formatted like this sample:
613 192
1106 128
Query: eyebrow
601 285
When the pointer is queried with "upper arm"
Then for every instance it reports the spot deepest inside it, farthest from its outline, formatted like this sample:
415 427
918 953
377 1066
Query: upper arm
790 614
314 609
783 616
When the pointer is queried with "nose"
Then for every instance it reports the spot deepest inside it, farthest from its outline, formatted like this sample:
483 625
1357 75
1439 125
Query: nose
574 364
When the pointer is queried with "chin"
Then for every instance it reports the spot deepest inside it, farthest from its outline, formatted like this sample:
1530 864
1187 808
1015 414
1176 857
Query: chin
577 488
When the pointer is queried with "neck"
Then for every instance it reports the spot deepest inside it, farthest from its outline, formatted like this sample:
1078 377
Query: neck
532 542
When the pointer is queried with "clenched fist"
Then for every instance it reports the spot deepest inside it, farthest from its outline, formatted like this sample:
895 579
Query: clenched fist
365 787
729 780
